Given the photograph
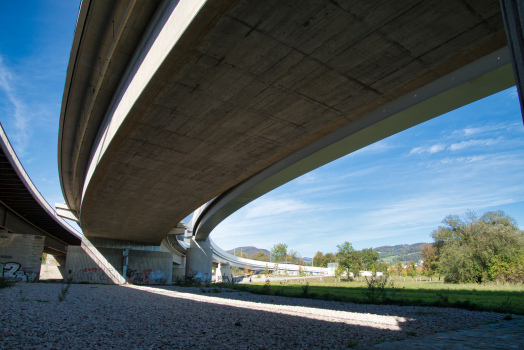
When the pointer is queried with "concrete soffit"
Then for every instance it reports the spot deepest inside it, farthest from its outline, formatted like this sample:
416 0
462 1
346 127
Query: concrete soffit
479 79
26 180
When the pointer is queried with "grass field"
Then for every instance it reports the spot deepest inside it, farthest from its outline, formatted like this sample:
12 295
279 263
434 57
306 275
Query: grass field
506 298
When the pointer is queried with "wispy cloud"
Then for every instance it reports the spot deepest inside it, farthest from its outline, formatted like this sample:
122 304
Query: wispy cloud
471 143
276 207
21 136
428 150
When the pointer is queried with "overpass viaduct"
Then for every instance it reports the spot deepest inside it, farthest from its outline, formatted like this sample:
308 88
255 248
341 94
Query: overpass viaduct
29 226
169 104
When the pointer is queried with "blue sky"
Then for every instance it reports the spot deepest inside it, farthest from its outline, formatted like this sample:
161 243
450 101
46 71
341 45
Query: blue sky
395 191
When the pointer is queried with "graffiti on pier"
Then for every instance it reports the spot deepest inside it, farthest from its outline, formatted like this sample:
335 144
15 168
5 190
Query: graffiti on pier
12 272
146 276
95 274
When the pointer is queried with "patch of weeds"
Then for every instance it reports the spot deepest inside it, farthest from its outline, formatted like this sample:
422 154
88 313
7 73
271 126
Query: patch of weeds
203 290
508 317
426 313
377 288
266 288
21 296
443 298
4 283
279 291
42 301
216 290
353 343
411 334
65 289
305 290
379 340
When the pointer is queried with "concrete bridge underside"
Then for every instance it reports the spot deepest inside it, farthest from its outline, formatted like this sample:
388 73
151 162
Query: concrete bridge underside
178 102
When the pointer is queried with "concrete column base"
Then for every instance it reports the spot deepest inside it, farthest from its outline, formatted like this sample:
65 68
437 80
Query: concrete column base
20 256
199 260
224 273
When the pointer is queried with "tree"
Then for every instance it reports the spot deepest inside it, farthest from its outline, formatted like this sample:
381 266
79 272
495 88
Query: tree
349 259
319 260
370 258
260 256
382 267
330 258
399 268
429 256
279 252
241 255
411 270
469 247
266 271
391 270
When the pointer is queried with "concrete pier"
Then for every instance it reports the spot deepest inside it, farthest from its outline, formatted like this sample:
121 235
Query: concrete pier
199 259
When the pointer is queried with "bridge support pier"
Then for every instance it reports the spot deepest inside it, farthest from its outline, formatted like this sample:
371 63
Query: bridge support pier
199 260
224 273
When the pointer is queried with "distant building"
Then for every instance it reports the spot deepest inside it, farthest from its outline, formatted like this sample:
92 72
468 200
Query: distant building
332 267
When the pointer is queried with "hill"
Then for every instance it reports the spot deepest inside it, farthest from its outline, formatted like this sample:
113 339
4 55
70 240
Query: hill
401 252
248 250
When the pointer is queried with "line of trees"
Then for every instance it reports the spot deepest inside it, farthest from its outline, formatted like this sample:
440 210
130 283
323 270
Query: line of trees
476 249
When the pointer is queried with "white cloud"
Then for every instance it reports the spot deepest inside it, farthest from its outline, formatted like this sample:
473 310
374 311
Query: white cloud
471 143
21 116
276 207
429 150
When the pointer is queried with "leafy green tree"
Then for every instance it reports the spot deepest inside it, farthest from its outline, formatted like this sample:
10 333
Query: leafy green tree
508 269
279 252
382 267
319 260
391 270
430 258
469 247
369 258
330 258
399 268
241 255
349 259
412 270
260 256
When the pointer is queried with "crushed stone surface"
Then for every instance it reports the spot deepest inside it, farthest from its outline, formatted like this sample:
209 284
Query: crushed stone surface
169 317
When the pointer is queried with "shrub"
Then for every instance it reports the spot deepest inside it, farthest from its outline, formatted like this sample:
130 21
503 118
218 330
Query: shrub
266 288
65 289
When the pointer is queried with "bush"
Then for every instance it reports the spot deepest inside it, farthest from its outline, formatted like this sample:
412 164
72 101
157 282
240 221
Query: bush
266 288
377 288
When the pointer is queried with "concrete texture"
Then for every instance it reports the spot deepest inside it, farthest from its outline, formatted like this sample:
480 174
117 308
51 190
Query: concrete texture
233 87
53 268
21 256
224 273
23 209
105 265
199 260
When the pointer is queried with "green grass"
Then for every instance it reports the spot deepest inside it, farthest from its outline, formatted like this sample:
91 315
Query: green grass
499 298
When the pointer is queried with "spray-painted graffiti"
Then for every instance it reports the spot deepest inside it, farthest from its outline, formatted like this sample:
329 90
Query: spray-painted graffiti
12 272
101 275
95 274
146 276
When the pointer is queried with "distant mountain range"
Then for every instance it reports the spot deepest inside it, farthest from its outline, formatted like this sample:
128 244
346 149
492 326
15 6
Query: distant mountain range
250 250
388 254
401 252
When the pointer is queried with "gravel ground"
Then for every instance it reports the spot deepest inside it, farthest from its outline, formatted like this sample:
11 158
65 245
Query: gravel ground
140 317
